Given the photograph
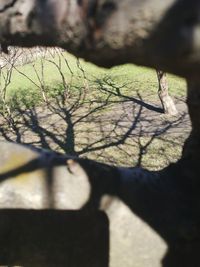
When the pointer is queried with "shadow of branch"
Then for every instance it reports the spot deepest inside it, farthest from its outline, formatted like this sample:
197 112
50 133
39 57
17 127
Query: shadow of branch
108 85
79 125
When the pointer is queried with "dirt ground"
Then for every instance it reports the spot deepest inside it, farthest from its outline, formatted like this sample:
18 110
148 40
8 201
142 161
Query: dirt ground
119 133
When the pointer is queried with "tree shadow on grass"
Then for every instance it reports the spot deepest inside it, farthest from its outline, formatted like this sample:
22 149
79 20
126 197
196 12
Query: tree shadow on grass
114 128
108 85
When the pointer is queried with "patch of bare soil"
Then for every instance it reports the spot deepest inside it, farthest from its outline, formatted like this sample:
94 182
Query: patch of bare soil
112 130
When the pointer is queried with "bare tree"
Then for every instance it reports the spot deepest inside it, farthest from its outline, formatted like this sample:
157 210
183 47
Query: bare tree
114 32
163 93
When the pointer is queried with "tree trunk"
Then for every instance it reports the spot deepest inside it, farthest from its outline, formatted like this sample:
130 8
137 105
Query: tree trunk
109 32
163 93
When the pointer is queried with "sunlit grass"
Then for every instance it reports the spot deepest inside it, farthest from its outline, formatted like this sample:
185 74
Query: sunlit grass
97 84
130 78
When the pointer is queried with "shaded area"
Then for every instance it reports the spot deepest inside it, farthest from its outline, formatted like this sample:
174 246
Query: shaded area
108 85
148 194
53 238
100 129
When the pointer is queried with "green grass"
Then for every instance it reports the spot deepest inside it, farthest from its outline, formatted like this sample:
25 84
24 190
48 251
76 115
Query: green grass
130 78
98 84
51 74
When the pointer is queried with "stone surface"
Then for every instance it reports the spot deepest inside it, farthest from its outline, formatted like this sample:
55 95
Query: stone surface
42 188
132 242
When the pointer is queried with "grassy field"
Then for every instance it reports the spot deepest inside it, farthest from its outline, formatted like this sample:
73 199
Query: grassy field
129 77
99 118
